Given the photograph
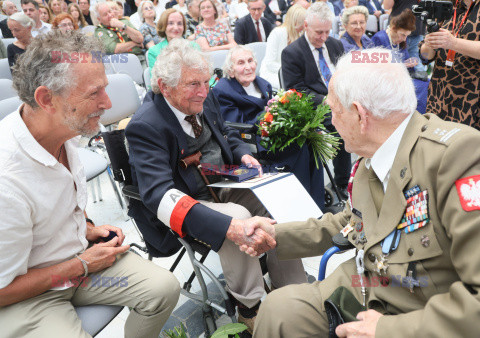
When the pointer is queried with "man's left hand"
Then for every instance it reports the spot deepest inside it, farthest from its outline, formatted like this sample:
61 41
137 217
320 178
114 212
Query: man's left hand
251 162
94 233
365 327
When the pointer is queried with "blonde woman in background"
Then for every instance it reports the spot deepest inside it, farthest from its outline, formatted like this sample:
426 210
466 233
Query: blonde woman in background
75 11
45 14
289 31
55 6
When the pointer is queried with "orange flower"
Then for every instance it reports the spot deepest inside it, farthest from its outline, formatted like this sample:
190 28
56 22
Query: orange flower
283 99
268 117
264 133
299 94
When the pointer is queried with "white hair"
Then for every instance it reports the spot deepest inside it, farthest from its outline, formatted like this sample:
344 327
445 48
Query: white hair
353 10
6 3
319 11
377 80
96 10
22 19
179 54
228 64
140 9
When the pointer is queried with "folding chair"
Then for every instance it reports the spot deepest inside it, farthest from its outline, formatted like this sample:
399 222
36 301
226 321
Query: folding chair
115 145
126 64
8 41
259 49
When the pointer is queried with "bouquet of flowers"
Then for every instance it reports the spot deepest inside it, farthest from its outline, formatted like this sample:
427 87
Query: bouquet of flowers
290 117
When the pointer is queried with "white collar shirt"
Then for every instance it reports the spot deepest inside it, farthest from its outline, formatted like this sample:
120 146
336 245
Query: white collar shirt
382 160
44 28
186 126
42 203
260 25
326 56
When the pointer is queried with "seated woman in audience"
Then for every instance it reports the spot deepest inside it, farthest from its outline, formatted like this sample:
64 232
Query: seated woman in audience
243 97
64 22
181 7
45 14
171 25
290 30
354 20
146 11
395 36
76 13
212 34
55 6
21 27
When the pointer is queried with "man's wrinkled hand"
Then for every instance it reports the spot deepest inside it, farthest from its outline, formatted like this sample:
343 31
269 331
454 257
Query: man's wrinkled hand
103 255
95 233
251 162
254 236
365 327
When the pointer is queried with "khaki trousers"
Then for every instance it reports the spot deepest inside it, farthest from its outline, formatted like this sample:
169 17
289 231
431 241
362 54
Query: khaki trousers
151 292
242 272
298 310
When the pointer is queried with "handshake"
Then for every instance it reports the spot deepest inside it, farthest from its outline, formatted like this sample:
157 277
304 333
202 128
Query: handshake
254 235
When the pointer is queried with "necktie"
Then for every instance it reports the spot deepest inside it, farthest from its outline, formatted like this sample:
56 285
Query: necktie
327 75
197 128
258 32
376 189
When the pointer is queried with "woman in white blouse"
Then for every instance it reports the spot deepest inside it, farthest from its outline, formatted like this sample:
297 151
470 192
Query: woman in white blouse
279 38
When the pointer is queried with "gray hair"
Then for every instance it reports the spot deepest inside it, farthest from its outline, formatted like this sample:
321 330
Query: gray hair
379 81
178 54
22 19
140 9
228 64
319 11
189 3
353 10
96 10
39 65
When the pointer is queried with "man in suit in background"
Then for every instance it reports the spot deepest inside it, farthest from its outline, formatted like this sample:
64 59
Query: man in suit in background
253 28
308 64
275 10
374 7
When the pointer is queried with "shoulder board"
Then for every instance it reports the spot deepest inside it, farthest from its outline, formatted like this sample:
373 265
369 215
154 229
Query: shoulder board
444 132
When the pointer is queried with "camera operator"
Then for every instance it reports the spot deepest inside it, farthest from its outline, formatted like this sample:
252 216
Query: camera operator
455 48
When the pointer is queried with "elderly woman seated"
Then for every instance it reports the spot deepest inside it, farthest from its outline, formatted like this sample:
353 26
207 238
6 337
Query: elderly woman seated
243 96
354 19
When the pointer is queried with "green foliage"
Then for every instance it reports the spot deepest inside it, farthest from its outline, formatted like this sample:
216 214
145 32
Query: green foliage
176 332
290 118
228 330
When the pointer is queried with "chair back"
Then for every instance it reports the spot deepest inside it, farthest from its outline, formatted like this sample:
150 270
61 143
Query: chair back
147 78
259 51
8 41
9 105
383 21
372 24
125 64
6 89
117 153
88 30
5 72
218 57
123 94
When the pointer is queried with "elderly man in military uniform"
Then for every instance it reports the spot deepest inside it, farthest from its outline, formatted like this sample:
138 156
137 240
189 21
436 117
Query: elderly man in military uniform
118 36
412 217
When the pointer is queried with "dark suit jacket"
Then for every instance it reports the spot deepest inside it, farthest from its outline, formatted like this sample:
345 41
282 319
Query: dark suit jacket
5 30
245 31
157 143
371 9
282 5
236 105
300 70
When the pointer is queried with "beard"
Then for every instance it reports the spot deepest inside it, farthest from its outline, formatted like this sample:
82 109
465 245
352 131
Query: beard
81 125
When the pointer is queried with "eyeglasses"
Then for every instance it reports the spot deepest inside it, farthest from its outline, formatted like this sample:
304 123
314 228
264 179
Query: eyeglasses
65 25
357 23
147 8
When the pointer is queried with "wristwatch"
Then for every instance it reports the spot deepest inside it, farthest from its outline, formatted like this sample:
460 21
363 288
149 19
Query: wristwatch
85 265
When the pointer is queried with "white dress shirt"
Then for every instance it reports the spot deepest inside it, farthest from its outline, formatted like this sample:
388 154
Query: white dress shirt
260 25
44 28
382 160
42 203
186 126
316 53
271 63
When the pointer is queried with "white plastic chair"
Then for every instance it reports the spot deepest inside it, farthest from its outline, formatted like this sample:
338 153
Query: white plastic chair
383 21
146 59
125 64
9 105
259 51
8 41
6 89
5 72
88 30
372 24
147 77
218 58
123 94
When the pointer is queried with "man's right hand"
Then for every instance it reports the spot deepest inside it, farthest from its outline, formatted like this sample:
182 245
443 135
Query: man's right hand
103 255
254 236
115 23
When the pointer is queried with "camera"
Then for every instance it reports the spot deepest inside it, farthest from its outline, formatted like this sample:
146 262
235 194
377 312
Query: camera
432 12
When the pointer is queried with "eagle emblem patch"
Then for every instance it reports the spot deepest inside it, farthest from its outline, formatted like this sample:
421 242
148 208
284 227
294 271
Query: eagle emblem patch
468 189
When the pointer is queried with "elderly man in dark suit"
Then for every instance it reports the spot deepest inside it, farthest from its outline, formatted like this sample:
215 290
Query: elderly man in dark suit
374 7
308 64
253 27
177 120
275 10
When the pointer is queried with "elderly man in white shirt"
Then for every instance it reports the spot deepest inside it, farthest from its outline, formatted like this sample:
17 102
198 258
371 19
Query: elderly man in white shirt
31 9
47 246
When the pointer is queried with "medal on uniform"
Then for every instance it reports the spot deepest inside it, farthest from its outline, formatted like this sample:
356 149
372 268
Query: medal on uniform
346 230
381 265
416 212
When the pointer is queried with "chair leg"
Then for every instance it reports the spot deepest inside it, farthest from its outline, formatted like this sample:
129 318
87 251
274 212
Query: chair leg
118 193
94 195
97 180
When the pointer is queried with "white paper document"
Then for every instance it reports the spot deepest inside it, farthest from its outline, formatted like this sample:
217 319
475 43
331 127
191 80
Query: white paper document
283 196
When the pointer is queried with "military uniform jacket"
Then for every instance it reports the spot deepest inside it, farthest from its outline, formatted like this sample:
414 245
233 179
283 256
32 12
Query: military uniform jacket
434 155
157 143
110 39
